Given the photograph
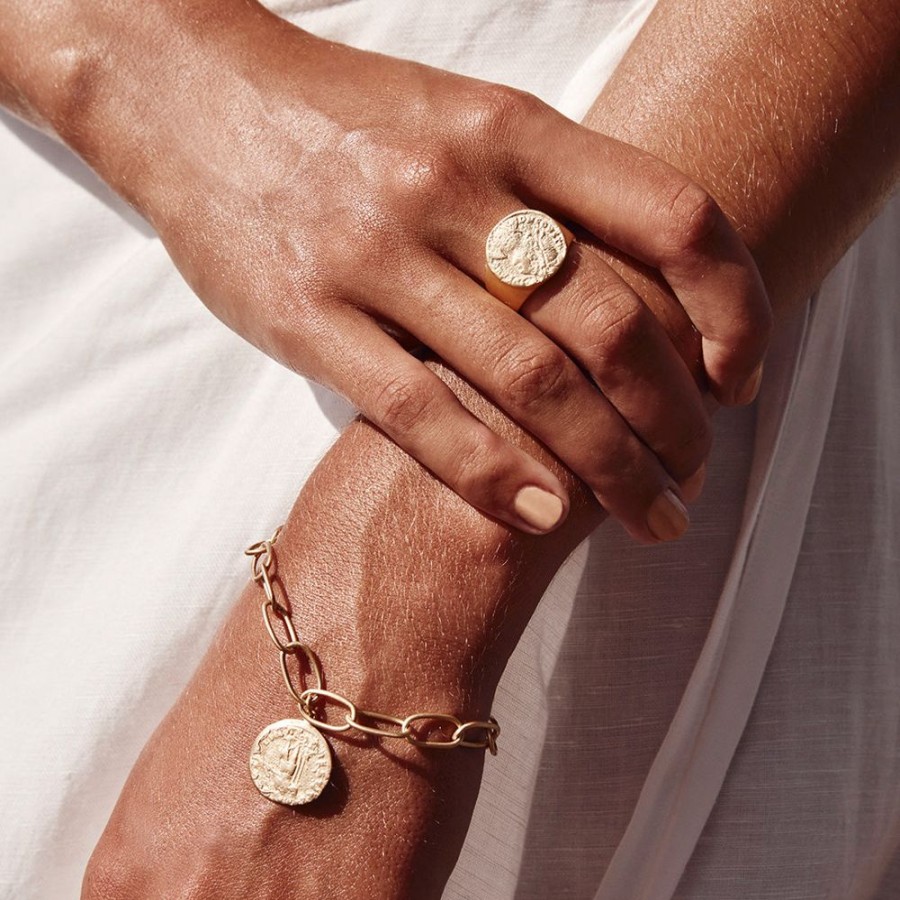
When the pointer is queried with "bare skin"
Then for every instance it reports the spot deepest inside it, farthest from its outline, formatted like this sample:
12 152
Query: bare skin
392 821
331 204
799 115
451 601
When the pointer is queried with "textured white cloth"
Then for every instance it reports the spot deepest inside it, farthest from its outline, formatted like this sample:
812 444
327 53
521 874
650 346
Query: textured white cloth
713 720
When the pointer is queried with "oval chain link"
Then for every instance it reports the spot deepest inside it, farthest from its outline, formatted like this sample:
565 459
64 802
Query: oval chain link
295 649
374 729
262 556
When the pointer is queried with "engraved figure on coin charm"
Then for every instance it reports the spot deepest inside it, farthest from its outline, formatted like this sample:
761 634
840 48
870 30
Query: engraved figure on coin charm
525 248
290 762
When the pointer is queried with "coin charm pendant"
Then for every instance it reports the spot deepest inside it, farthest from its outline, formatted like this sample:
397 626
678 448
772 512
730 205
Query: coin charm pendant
290 762
525 248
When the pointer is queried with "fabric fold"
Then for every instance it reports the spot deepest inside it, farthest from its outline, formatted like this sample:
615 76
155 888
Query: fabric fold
691 765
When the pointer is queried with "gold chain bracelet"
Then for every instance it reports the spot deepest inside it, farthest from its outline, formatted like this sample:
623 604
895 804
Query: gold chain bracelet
290 761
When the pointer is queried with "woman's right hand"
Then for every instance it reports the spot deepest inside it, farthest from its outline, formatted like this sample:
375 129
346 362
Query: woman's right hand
331 205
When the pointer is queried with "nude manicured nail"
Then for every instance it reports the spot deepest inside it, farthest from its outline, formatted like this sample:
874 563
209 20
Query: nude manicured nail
693 486
539 508
750 389
668 519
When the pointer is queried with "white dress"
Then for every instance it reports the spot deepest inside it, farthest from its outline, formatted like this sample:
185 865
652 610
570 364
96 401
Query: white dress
712 720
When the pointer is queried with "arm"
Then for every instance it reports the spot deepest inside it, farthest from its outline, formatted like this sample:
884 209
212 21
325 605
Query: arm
451 599
328 203
412 601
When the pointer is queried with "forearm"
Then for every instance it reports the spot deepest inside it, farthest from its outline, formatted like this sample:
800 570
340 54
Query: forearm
411 601
787 113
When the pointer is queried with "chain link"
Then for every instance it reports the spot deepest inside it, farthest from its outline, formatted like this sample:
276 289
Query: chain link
433 730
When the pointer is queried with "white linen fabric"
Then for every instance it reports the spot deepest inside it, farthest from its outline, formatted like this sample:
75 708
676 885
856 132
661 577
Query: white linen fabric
712 720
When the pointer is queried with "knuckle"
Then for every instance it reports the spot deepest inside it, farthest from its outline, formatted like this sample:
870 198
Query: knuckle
615 327
479 466
497 110
618 470
425 175
536 376
401 403
690 217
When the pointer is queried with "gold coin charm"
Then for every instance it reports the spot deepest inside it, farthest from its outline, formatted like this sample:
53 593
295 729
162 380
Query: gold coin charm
290 762
525 248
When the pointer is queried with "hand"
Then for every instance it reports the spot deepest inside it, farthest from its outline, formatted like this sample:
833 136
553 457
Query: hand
331 205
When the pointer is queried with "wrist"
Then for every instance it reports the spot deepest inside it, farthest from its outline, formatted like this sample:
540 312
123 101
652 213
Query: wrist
146 97
399 812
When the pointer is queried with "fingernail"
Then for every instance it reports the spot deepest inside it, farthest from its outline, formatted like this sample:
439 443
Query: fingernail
748 392
692 487
539 508
668 519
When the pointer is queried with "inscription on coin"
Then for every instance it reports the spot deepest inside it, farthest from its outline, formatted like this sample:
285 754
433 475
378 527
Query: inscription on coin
525 248
290 762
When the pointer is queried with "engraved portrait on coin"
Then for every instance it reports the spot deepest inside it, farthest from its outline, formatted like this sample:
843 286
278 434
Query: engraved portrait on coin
290 762
525 248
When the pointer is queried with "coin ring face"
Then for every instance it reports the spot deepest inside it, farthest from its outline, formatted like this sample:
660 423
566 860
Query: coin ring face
290 762
525 248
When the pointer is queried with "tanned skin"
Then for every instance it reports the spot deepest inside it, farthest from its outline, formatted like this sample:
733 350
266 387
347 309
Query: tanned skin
800 153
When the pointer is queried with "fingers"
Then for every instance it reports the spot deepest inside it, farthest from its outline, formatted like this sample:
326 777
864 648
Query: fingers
541 388
407 401
648 209
618 341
